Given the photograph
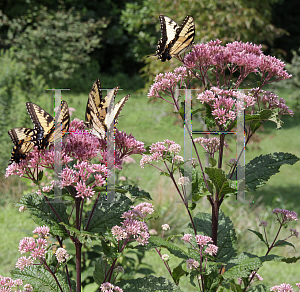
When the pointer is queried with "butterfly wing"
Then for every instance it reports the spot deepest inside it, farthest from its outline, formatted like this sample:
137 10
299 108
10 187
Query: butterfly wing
21 137
62 122
175 39
43 124
96 110
118 107
94 103
184 37
97 116
168 31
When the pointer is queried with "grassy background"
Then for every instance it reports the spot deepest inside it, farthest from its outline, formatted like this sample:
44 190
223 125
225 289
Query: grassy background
152 122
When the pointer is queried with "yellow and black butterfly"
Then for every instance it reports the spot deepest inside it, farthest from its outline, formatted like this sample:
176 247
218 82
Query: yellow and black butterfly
97 115
21 137
175 39
45 132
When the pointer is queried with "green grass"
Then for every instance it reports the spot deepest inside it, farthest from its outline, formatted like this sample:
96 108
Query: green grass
152 122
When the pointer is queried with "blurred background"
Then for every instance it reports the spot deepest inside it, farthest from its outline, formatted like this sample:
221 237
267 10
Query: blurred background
68 44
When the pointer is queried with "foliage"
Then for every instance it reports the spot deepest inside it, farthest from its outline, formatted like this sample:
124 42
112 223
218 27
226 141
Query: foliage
285 14
56 44
292 84
226 20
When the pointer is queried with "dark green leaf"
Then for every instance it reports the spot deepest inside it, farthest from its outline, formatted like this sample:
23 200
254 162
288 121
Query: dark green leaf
148 284
218 178
259 235
178 272
226 234
47 212
261 168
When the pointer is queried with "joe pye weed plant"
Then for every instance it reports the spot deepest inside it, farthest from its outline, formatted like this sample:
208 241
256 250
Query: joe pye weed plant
91 233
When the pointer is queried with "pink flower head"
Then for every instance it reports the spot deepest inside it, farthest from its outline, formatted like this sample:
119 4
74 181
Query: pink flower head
24 262
225 104
167 82
263 223
269 100
80 144
61 255
108 287
203 240
27 244
132 227
272 67
159 150
282 288
192 264
286 215
187 238
294 232
210 145
42 231
211 249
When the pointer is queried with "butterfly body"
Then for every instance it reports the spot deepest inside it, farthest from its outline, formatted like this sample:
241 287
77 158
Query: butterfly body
175 39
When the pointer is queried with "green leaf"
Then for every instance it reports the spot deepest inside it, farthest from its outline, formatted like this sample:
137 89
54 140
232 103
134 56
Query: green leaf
148 284
259 288
259 235
264 115
101 268
271 258
209 118
291 260
218 178
242 266
226 234
177 273
283 243
212 162
136 193
42 280
261 168
107 214
47 212
40 175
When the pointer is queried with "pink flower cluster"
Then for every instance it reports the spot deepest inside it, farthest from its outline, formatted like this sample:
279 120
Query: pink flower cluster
192 264
133 227
82 146
237 56
168 81
225 103
78 177
37 247
269 100
7 283
108 287
286 215
42 231
61 255
284 288
202 240
159 150
210 145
